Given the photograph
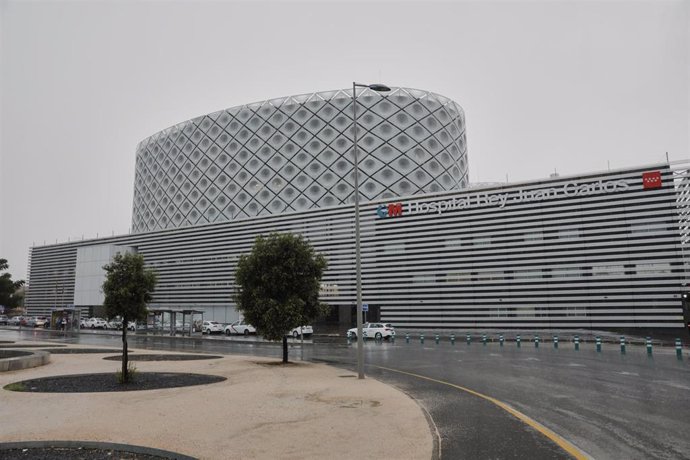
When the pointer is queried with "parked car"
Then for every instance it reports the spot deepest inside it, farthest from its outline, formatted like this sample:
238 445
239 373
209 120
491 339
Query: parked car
16 320
211 327
183 327
240 327
304 330
4 319
82 323
96 323
116 324
178 325
376 331
40 321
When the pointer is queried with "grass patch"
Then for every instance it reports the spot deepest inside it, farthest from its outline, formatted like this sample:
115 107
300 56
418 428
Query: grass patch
131 373
17 386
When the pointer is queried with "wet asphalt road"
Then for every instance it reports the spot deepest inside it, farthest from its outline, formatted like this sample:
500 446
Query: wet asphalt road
607 404
470 427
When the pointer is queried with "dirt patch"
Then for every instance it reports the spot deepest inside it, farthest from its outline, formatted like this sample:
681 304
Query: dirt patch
106 382
163 357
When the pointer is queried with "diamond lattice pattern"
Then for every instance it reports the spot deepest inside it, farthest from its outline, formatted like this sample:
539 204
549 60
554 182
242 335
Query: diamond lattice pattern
296 153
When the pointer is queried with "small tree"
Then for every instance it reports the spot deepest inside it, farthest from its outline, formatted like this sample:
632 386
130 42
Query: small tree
127 288
278 285
10 294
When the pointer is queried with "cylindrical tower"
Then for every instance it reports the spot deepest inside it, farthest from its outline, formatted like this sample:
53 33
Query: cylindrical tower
296 153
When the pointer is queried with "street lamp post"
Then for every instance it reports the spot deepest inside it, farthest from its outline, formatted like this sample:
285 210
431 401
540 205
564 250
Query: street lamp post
358 257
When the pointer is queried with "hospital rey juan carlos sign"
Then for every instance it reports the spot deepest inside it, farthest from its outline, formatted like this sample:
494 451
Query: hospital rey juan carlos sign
650 180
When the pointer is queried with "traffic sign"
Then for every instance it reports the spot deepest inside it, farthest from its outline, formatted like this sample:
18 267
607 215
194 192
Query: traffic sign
365 307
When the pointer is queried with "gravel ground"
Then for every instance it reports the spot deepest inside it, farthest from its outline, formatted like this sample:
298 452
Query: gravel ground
163 357
72 453
97 383
68 351
31 346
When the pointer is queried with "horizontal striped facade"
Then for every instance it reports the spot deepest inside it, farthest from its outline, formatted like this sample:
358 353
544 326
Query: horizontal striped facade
599 259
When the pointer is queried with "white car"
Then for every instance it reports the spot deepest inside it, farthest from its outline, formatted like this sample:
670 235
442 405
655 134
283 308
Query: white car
117 325
376 331
240 327
96 323
305 330
210 327
40 321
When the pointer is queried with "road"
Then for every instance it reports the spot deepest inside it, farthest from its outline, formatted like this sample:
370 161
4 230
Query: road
606 404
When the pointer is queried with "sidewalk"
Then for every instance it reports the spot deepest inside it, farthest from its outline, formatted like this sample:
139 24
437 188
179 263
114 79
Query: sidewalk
303 410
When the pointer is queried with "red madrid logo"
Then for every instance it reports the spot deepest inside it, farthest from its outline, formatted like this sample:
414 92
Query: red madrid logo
651 179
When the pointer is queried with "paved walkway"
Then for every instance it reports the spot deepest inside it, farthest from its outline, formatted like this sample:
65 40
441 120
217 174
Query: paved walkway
299 411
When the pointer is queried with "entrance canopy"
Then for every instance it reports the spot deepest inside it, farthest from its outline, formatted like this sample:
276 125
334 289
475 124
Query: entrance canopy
65 319
175 320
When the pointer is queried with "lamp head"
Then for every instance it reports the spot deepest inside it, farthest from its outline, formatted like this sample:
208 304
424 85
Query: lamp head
379 87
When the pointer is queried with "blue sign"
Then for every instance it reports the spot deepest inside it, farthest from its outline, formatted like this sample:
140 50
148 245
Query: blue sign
365 307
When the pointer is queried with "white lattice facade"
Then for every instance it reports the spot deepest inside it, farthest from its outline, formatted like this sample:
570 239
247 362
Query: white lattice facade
296 153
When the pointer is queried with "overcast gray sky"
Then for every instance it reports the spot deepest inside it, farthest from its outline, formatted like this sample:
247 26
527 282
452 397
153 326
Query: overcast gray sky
545 85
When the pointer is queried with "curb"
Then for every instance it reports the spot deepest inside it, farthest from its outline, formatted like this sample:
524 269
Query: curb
31 359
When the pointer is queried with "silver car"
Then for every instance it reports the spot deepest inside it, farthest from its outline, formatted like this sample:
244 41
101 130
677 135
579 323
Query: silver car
16 320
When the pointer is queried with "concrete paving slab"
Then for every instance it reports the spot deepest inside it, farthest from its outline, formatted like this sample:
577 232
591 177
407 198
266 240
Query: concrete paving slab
262 410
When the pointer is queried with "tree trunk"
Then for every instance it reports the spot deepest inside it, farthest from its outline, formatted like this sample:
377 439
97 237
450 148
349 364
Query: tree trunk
285 349
125 358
